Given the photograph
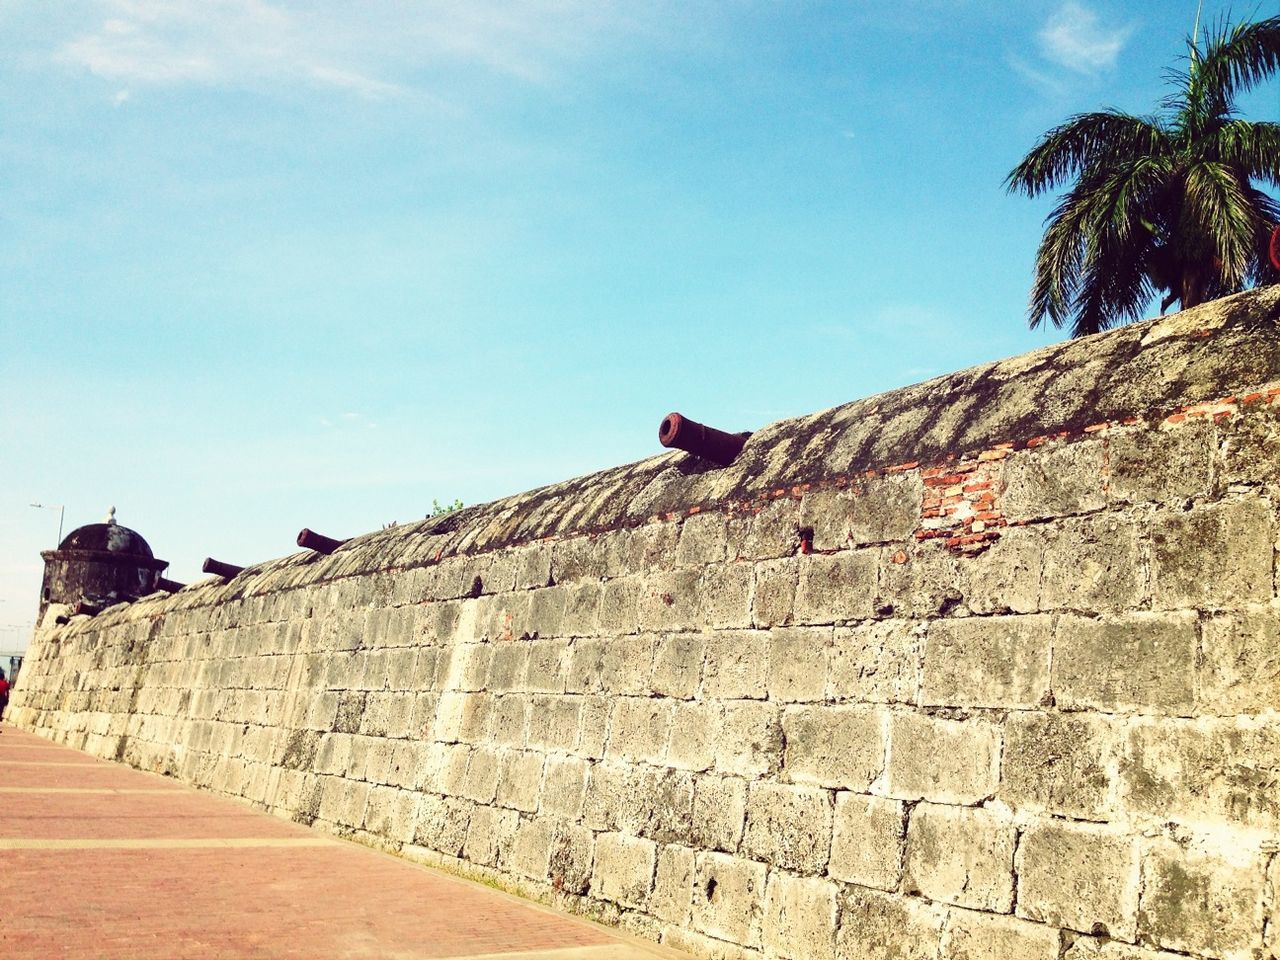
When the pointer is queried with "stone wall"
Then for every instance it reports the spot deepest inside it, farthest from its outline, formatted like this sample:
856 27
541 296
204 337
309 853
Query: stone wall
986 667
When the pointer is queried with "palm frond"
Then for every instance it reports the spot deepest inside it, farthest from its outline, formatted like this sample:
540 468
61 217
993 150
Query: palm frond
1220 218
1085 140
1262 270
1237 58
1253 147
1106 212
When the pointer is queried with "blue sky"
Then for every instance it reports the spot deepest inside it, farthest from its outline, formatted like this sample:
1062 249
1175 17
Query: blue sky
266 265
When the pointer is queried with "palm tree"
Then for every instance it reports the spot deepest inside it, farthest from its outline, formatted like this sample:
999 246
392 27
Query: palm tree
1165 203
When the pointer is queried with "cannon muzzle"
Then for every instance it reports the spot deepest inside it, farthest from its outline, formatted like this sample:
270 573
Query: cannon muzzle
677 430
169 586
220 569
86 609
308 539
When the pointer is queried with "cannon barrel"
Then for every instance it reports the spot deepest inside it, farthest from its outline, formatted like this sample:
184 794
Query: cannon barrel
85 608
218 568
169 586
677 430
308 539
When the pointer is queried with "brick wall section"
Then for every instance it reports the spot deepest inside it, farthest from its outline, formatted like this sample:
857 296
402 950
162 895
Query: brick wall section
1018 700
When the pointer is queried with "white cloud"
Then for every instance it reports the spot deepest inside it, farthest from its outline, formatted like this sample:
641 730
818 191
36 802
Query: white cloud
378 48
212 42
1075 38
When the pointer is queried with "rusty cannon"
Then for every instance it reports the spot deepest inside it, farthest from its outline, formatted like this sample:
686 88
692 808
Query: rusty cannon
169 586
220 569
308 539
677 430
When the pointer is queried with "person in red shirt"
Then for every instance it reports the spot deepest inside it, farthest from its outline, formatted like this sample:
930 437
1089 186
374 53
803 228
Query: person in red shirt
4 694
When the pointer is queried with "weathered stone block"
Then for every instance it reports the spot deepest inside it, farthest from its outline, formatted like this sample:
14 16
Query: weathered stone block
1079 876
564 786
672 897
620 606
770 532
508 665
581 616
593 727
839 747
946 761
797 660
1204 898
750 742
448 769
1054 481
463 717
1213 556
838 587
1211 769
884 926
799 918
677 664
961 856
695 729
509 720
725 596
551 722
531 848
585 671
640 728
984 936
1092 564
627 664
624 869
671 601
737 665
1102 948
788 827
490 836
532 566
773 601
719 812
703 540
1143 662
468 666
572 852
1061 763
728 897
548 666
922 581
442 824
651 802
482 775
1006 577
1249 445
987 662
875 511
520 780
1240 671
546 611
876 662
867 842
1185 455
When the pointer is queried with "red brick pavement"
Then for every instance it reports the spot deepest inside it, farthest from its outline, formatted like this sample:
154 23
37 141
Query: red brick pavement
101 861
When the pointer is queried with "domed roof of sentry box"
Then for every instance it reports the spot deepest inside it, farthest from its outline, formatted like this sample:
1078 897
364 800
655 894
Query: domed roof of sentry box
109 537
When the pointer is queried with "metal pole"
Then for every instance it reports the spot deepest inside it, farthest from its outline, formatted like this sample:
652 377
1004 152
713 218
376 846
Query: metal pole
62 511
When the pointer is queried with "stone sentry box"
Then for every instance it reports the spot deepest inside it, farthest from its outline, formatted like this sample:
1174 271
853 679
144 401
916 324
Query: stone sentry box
100 564
1014 697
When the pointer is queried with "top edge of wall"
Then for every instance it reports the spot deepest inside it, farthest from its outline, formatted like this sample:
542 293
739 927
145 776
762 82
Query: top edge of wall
1139 370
